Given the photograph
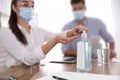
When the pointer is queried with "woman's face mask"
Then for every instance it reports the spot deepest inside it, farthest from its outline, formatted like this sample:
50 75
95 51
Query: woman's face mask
26 14
79 15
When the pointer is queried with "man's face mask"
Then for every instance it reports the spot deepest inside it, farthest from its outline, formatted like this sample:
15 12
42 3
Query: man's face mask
26 14
79 15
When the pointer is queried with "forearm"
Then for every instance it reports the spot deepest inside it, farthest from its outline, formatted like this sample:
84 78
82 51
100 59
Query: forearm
49 45
70 53
112 50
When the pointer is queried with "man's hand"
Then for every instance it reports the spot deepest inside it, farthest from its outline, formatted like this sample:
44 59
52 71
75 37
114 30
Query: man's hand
112 49
112 54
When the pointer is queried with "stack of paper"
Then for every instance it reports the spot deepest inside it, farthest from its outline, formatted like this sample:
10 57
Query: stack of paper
81 76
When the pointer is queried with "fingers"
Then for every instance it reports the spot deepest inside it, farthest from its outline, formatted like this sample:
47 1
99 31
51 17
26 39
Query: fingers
74 32
112 54
67 40
70 39
79 29
61 39
63 42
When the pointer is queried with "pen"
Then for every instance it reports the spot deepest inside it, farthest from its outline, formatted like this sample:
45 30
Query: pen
59 78
12 78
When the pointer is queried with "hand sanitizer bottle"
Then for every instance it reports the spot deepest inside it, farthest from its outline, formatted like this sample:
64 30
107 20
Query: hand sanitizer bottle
84 48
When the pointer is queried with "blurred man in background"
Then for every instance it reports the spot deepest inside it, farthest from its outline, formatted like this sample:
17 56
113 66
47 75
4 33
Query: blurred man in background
96 28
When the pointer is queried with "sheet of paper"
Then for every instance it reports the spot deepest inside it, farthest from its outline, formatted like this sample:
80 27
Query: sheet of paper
116 60
81 76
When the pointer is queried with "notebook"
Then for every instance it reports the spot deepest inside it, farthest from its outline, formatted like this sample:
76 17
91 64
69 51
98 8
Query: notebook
68 60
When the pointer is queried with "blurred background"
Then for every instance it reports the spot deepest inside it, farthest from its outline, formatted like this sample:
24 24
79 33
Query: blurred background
54 14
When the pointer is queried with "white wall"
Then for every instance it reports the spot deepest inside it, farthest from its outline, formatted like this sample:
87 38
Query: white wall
5 6
0 6
101 9
116 17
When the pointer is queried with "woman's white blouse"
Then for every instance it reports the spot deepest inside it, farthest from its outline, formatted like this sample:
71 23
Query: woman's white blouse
29 54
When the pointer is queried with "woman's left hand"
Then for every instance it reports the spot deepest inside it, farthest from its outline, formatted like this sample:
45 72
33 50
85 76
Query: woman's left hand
77 31
71 35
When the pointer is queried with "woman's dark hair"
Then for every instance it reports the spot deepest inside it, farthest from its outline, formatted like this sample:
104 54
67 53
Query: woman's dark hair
77 1
13 25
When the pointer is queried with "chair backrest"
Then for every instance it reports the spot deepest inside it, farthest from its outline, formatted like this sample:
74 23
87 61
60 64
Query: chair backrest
3 56
95 45
95 41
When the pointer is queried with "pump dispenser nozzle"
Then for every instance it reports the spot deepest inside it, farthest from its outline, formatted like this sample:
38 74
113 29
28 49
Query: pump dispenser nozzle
84 35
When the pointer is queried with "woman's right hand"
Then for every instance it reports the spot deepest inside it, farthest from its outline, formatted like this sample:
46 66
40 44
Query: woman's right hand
58 39
65 40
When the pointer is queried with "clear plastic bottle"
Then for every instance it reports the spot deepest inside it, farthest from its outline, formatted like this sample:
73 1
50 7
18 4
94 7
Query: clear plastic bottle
84 50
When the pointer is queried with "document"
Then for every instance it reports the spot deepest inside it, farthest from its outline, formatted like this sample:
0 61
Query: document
116 60
80 76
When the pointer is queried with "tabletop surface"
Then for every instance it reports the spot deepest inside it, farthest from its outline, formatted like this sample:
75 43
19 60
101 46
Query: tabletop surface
50 68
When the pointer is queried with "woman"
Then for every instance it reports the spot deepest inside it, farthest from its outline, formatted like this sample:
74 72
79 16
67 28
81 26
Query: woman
25 43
